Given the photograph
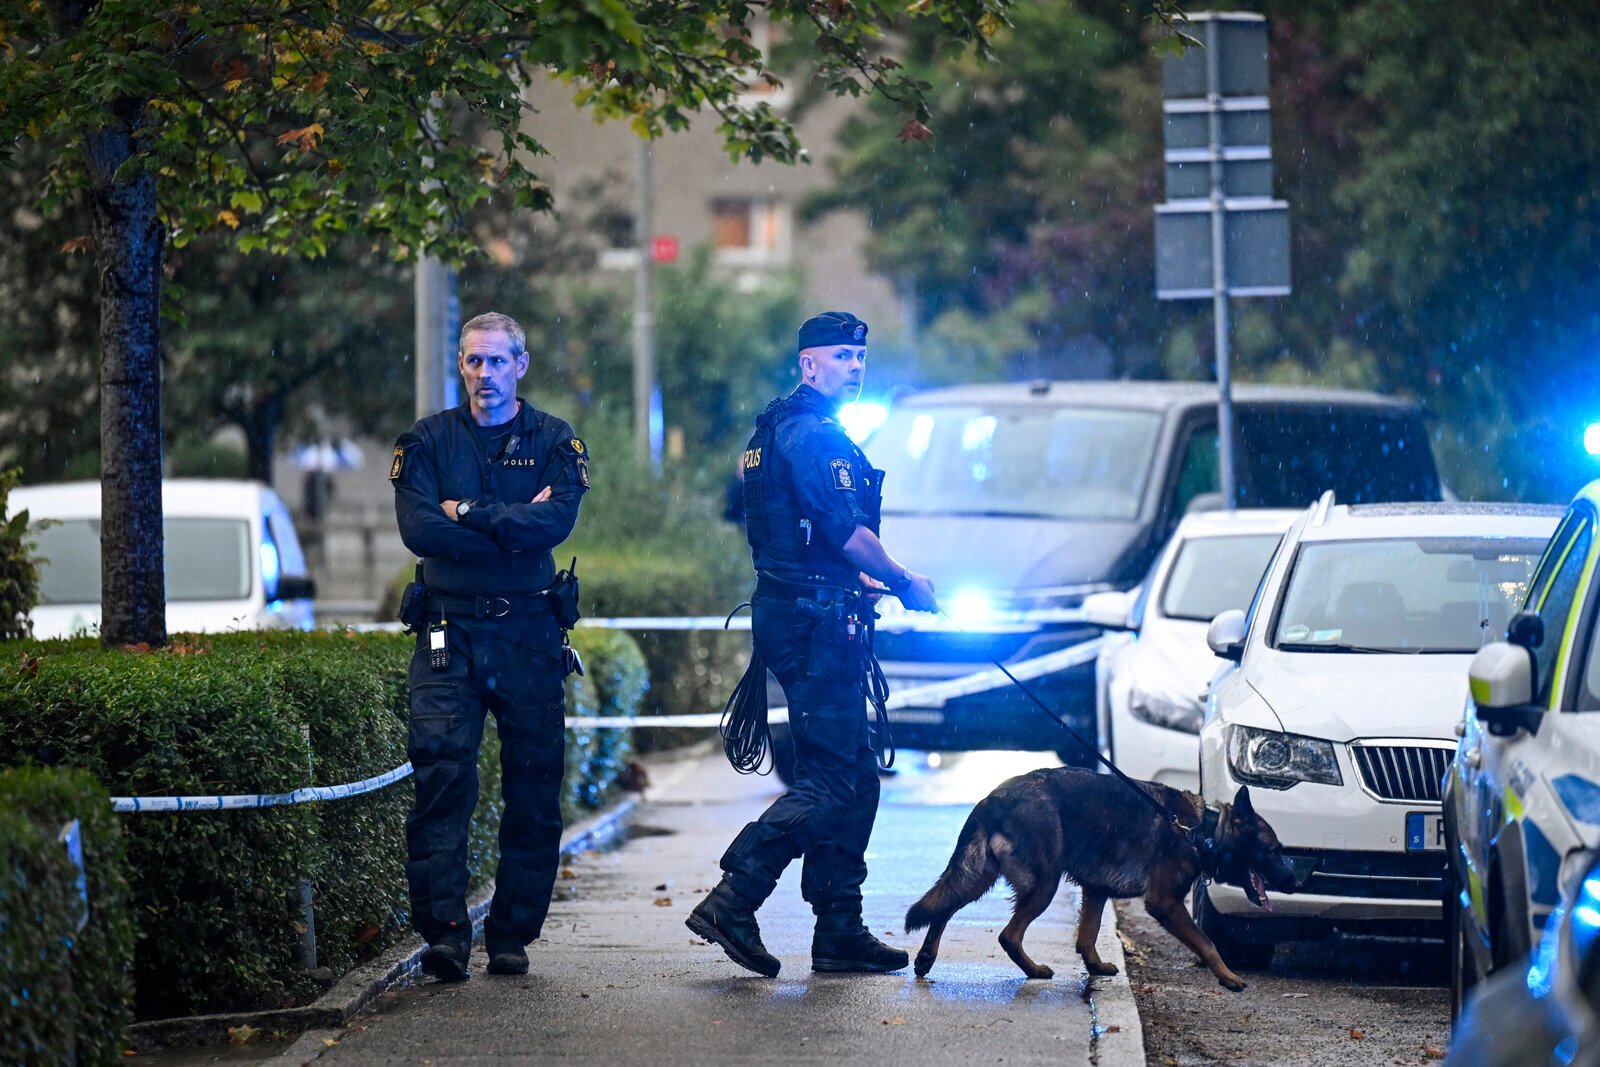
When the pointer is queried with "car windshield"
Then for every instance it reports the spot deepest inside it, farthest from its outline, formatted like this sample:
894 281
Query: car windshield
1421 595
1216 574
1063 463
206 559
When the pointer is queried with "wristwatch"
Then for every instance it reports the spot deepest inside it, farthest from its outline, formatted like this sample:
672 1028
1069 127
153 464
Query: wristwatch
900 584
462 508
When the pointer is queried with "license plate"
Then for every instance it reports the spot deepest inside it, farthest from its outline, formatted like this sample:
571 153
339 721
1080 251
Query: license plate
1424 831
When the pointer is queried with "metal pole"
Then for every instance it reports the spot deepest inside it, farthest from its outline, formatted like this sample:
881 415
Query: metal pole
647 420
1219 273
436 318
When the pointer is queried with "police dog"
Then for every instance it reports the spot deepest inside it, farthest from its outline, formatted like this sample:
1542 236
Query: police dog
1060 822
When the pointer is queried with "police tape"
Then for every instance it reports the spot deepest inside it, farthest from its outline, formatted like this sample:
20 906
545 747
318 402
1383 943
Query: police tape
933 694
305 795
891 621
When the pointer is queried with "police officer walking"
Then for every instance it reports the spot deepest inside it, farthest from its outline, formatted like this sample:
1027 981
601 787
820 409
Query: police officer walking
812 512
483 492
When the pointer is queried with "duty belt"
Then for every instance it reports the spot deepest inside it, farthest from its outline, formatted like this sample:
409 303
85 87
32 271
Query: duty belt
489 607
784 589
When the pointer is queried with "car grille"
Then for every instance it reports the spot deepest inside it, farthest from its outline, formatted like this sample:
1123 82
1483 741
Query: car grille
1372 875
1402 772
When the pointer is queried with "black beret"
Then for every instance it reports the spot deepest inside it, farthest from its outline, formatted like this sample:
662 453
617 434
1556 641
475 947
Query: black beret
832 328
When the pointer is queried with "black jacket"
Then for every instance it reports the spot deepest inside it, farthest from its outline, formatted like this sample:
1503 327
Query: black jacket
503 543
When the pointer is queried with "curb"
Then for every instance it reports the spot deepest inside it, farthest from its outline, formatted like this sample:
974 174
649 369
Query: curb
1118 1036
360 986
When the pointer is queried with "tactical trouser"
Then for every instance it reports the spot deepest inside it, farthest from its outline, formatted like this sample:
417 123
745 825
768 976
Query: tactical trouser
512 667
827 814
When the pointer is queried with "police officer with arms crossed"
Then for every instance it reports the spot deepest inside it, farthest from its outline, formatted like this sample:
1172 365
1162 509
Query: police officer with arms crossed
812 511
483 492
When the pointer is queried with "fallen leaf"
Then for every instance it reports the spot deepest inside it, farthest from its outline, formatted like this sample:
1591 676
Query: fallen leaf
1430 1052
663 902
243 1034
1357 1035
568 872
329 1042
898 1020
1112 1030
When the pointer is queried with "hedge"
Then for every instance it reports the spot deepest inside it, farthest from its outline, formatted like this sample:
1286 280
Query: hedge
65 994
215 895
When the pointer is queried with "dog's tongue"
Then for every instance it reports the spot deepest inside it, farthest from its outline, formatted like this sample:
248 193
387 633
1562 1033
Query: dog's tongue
1260 888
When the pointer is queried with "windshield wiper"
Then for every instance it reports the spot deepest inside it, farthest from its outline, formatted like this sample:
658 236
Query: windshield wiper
1305 646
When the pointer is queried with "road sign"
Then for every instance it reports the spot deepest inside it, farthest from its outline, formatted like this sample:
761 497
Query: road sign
664 249
1255 249
1240 46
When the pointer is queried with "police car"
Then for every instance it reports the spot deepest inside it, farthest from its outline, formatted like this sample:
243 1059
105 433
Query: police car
1522 795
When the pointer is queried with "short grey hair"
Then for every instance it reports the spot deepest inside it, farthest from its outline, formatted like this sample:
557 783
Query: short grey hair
493 321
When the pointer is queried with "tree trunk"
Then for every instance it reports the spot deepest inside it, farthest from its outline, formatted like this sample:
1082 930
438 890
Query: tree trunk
129 240
260 425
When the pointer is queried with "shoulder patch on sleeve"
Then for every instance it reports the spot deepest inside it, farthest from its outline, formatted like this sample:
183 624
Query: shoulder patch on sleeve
577 446
842 476
399 462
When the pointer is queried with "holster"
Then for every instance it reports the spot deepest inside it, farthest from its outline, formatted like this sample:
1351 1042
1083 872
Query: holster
563 594
837 639
414 604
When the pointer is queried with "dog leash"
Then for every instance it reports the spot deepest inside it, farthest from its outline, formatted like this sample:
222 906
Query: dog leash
1205 842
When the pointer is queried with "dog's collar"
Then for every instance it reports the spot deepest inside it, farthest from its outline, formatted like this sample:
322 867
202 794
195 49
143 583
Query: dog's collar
1203 837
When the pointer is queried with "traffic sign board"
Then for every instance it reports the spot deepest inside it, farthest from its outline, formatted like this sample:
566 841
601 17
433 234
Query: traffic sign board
1255 249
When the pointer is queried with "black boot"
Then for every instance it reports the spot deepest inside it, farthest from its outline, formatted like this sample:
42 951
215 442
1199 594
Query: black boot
446 957
507 959
843 943
726 920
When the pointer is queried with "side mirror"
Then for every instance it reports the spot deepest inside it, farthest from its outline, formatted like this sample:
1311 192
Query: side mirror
1108 611
1225 635
1500 680
1526 630
295 587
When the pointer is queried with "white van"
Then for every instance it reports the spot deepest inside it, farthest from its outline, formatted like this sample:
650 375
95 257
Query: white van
233 561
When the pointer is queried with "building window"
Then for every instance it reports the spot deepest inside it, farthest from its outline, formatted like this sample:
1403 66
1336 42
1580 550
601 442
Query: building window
750 232
617 232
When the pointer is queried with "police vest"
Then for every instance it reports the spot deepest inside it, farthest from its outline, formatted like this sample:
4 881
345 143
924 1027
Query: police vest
782 538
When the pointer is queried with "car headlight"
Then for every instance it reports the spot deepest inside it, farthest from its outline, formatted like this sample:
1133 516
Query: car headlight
1168 710
1277 760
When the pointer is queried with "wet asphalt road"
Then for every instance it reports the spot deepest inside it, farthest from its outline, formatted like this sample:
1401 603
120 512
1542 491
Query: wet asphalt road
617 978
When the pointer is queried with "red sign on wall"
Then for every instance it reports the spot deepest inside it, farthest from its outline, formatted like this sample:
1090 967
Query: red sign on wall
664 249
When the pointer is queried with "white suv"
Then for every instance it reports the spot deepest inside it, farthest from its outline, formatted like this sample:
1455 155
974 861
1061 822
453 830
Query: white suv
1340 716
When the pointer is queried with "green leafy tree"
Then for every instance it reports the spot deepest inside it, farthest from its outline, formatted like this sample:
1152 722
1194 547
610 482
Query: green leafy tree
1480 223
286 125
19 567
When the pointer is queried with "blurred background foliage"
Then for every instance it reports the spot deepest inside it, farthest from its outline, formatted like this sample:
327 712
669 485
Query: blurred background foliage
1439 161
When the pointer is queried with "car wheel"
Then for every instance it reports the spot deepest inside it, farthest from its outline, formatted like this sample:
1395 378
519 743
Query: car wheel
1463 967
1252 955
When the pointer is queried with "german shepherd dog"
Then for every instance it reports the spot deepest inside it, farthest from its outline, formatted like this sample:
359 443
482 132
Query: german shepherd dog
1040 827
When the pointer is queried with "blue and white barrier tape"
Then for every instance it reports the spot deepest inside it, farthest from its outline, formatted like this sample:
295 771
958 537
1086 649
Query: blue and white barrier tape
933 694
261 800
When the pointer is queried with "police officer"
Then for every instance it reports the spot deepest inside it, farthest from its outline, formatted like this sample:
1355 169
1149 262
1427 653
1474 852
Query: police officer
811 511
483 492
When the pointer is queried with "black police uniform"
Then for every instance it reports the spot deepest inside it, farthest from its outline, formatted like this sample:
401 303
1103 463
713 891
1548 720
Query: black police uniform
484 576
807 488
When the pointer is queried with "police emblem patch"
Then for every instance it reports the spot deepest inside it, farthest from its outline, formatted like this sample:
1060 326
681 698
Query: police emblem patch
842 478
583 472
577 446
399 460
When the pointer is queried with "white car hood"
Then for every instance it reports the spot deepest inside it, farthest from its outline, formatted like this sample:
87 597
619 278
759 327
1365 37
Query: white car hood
1343 697
1175 652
